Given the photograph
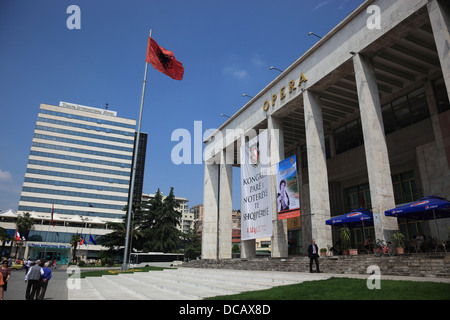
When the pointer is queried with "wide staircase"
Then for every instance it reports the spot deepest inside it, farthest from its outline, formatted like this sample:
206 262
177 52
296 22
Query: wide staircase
411 265
208 278
182 284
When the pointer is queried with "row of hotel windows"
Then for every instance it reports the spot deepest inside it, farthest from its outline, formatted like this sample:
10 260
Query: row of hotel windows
84 126
75 176
80 159
75 185
96 120
73 194
71 212
70 203
78 150
61 237
404 186
398 114
74 167
82 142
83 134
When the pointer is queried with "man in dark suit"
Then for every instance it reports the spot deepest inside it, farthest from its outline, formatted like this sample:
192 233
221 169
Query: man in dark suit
313 254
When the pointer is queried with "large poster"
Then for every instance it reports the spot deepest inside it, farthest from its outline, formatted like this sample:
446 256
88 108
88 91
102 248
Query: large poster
288 201
256 207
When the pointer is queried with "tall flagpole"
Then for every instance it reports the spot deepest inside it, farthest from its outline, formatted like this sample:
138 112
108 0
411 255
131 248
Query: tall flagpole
133 173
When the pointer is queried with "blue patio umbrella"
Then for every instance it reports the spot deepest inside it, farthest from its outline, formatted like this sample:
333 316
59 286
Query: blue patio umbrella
356 217
427 208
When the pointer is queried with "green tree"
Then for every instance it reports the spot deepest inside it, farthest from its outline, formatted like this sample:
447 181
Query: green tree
115 241
192 244
4 237
76 238
162 232
24 224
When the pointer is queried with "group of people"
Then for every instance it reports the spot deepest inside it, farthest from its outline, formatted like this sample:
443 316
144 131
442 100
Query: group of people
37 278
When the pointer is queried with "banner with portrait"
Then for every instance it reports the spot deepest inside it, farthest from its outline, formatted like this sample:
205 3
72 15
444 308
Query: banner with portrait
288 200
256 205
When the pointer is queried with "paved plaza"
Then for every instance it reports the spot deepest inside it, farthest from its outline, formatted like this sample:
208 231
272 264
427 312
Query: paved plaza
175 284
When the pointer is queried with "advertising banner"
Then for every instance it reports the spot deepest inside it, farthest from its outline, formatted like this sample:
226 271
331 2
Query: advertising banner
256 207
288 201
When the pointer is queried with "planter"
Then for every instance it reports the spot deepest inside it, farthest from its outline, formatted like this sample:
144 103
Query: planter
353 252
399 250
346 252
323 252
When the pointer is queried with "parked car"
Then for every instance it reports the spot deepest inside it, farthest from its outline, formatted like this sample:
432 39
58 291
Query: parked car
16 266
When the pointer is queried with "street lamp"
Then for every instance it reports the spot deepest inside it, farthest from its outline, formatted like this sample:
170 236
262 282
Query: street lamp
246 95
273 68
313 34
224 115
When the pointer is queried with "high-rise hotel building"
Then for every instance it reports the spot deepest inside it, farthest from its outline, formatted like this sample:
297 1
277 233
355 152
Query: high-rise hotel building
79 166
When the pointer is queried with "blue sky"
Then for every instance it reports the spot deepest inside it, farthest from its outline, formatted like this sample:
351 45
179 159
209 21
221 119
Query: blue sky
226 48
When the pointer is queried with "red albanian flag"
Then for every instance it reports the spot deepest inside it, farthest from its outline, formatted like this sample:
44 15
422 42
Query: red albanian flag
164 60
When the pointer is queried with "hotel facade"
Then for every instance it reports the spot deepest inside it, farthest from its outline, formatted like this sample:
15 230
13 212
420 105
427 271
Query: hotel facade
366 112
79 167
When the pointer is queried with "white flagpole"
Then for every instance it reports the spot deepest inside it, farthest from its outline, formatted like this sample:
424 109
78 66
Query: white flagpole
133 173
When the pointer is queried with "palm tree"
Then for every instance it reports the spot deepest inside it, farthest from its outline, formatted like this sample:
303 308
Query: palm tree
24 224
76 238
4 237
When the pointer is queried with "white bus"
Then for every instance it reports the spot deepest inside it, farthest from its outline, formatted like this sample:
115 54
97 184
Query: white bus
156 259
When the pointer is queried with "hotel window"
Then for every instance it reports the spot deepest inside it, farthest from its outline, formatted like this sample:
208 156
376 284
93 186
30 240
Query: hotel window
441 95
405 188
358 197
349 136
405 111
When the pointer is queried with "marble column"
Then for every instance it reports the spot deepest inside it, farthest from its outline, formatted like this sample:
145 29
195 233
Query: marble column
276 149
439 12
377 158
210 211
225 207
317 170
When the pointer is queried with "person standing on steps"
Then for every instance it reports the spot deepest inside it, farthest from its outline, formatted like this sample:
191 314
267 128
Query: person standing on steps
313 254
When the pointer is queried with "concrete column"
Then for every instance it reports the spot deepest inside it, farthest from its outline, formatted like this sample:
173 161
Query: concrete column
210 211
317 170
439 12
276 148
225 207
248 249
379 171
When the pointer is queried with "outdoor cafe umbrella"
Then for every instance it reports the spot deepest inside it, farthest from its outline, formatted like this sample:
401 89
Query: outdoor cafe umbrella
427 208
356 217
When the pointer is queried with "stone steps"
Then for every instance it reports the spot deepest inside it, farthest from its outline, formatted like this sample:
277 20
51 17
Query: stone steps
422 265
182 284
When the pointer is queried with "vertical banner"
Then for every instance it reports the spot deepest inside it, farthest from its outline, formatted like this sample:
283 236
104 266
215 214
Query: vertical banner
288 201
256 206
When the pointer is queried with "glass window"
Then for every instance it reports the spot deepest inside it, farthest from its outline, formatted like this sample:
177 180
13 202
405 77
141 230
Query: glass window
401 111
388 119
418 105
441 95
349 136
405 188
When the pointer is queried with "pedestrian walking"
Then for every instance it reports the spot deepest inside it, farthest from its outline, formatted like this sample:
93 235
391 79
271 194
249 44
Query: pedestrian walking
45 278
313 254
5 272
33 278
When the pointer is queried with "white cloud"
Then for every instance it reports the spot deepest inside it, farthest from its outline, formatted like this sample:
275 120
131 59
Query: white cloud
5 176
257 61
320 5
235 71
